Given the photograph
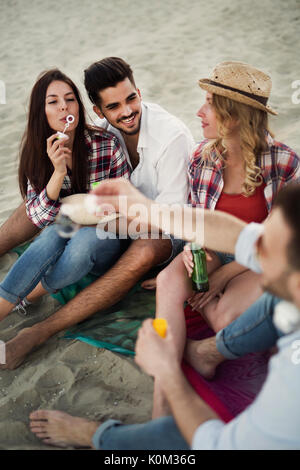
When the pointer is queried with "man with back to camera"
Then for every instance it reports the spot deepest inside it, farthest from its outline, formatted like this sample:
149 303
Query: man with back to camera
272 421
157 146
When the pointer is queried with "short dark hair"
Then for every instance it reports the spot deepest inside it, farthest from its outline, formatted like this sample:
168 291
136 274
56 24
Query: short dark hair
105 73
288 200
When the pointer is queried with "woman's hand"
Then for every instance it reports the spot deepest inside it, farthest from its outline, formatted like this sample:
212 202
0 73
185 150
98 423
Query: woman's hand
187 258
59 155
217 283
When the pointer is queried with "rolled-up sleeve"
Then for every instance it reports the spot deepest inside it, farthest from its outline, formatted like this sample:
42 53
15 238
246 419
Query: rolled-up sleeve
245 249
39 208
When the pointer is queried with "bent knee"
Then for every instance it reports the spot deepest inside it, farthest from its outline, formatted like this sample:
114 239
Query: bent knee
223 315
152 252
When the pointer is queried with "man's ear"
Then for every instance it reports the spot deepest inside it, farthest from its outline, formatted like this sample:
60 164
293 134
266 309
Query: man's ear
139 92
98 112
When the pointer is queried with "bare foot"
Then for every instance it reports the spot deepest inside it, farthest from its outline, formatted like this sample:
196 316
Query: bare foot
149 284
203 356
60 429
17 348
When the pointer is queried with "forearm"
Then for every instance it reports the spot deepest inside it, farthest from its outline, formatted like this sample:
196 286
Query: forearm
188 409
54 185
197 225
232 270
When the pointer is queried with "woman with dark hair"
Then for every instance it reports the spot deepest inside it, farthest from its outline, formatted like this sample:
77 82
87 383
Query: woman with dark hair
51 168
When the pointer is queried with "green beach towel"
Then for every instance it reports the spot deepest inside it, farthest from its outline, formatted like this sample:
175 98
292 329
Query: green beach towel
115 328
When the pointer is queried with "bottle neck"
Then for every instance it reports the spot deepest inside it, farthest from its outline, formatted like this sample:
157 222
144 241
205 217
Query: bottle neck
195 246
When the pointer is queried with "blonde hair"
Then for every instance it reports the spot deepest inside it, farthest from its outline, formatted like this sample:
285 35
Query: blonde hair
253 124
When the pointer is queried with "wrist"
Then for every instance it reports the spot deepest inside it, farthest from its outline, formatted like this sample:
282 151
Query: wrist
168 376
59 174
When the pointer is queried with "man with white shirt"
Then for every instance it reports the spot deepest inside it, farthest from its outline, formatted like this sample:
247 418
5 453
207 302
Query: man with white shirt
272 421
157 146
156 143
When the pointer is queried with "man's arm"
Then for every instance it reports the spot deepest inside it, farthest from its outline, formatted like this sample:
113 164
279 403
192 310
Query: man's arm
16 230
157 356
213 229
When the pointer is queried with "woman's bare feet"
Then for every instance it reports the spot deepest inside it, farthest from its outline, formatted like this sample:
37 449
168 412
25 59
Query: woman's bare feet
60 429
149 284
203 356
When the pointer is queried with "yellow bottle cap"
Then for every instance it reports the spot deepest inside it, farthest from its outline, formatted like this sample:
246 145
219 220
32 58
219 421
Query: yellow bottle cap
160 325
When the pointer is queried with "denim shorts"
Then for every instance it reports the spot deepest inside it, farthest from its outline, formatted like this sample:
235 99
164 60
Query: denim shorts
225 258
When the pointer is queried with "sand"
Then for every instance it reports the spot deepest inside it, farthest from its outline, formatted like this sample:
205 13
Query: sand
170 45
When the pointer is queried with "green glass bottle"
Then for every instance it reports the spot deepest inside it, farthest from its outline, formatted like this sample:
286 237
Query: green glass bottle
199 275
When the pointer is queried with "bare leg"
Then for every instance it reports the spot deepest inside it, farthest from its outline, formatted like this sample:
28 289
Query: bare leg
203 356
61 429
37 292
149 284
5 308
109 289
173 289
16 230
241 292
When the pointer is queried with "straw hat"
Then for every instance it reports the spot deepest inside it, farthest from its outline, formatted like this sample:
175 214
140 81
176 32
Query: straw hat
240 82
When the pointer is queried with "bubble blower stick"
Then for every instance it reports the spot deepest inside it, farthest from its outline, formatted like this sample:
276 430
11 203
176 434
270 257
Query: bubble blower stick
70 119
160 325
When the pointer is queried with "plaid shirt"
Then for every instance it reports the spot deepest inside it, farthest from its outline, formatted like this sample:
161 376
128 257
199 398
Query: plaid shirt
106 160
279 165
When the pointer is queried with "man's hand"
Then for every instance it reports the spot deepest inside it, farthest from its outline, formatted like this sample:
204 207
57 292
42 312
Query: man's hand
155 355
108 194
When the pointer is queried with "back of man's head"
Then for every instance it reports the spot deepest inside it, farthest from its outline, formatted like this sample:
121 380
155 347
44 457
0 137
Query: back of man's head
288 201
105 73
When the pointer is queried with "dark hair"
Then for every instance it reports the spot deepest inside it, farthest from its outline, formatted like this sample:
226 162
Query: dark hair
35 165
288 200
105 73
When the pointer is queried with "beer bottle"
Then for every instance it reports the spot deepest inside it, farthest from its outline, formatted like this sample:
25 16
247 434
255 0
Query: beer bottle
199 275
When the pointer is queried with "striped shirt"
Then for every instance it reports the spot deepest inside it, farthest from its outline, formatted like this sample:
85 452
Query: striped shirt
105 160
279 166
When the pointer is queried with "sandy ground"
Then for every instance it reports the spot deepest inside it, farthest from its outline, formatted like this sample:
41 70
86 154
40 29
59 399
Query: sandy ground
170 45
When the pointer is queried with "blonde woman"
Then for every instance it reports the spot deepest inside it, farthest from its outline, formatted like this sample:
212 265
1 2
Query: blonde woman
238 169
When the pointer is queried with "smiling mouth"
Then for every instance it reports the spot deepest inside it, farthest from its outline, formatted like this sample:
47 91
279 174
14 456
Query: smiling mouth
128 120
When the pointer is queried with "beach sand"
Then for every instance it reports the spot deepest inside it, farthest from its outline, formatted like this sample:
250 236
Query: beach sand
170 45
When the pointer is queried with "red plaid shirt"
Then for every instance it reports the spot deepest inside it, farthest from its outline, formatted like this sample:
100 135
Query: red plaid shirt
279 165
106 160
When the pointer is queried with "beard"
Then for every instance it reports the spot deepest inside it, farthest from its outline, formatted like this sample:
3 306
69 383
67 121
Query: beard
130 132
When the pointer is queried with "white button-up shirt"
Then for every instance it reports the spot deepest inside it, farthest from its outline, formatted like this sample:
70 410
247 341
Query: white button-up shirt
272 421
164 147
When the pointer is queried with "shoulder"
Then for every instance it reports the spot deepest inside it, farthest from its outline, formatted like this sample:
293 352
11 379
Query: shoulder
197 157
95 136
281 155
161 121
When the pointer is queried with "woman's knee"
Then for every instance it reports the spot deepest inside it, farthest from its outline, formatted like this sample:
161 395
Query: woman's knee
224 313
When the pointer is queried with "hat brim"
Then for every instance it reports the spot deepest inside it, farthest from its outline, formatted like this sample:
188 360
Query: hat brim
205 84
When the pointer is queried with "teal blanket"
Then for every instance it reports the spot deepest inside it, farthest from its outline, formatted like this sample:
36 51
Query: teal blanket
115 328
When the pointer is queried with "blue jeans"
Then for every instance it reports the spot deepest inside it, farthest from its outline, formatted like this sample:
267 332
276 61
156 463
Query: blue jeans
58 262
225 258
159 434
253 331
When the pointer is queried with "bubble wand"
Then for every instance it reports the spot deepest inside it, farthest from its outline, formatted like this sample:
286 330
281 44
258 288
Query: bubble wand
70 119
